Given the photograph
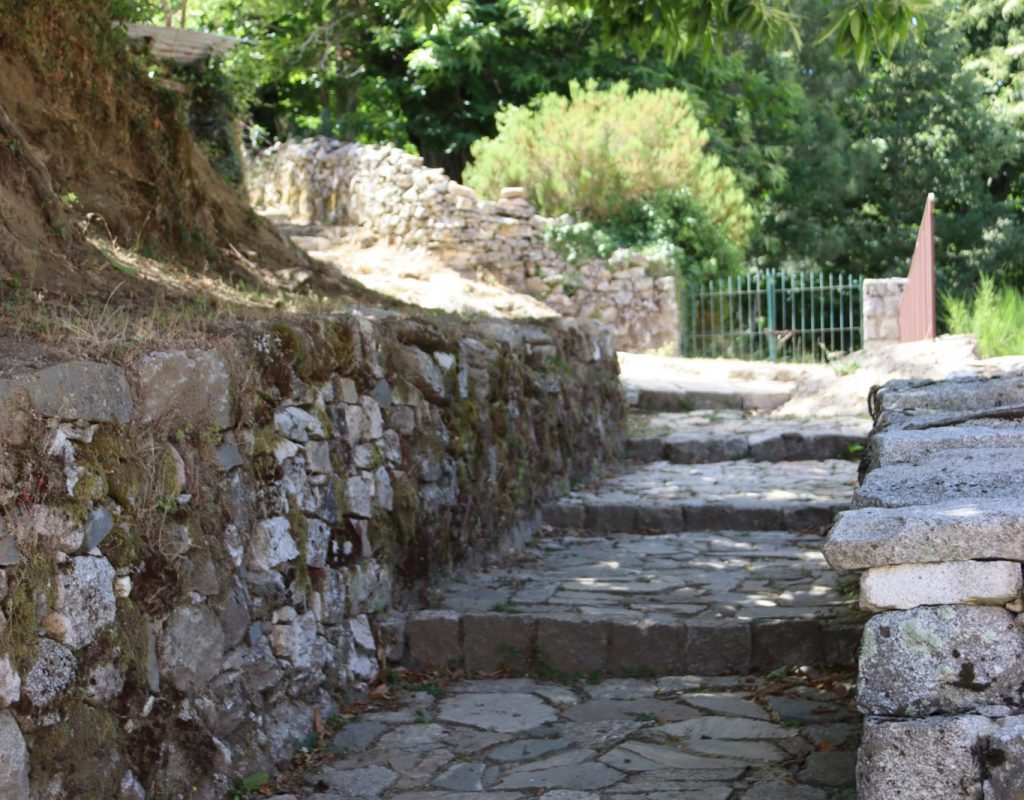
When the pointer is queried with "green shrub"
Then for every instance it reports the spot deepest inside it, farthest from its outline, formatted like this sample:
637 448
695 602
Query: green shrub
671 230
599 152
995 315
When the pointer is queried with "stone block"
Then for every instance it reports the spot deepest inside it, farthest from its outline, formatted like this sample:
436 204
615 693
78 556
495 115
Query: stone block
434 639
565 514
179 387
901 446
840 642
84 602
495 641
906 586
818 514
422 371
97 527
716 647
271 545
10 683
644 449
1004 760
297 424
785 643
922 759
75 390
958 531
735 515
952 395
611 517
573 647
50 675
191 648
13 759
661 518
954 475
645 647
939 660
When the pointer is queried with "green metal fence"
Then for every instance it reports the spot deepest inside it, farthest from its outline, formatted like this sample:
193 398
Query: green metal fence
776 316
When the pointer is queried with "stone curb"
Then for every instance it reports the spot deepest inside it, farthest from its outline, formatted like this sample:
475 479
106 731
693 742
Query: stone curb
690 399
568 647
691 515
704 449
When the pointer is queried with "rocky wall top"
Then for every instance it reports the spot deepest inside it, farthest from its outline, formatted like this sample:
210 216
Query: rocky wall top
200 550
938 532
392 194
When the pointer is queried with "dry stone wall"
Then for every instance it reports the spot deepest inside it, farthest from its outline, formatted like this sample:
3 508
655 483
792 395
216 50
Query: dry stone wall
200 550
391 194
938 532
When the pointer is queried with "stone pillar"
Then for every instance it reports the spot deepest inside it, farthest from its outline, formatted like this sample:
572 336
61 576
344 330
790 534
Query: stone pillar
880 309
935 532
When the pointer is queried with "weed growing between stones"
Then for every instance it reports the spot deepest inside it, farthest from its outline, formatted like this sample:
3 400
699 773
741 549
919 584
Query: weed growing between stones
32 585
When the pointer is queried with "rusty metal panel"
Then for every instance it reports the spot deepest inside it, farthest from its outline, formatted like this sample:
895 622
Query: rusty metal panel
917 306
180 45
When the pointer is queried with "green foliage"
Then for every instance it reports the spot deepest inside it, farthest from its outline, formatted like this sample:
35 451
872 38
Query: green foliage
995 315
869 147
671 230
633 166
597 152
682 26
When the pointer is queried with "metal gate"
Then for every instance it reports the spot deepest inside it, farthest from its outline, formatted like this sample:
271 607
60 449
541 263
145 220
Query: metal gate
771 315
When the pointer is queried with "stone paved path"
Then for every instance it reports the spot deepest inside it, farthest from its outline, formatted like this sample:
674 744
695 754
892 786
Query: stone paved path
677 738
700 558
724 495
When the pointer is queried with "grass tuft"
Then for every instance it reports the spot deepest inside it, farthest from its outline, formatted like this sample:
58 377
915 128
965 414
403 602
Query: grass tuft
995 315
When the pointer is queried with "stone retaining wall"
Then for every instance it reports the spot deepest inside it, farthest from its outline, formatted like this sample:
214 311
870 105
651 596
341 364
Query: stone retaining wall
881 309
201 550
938 530
390 192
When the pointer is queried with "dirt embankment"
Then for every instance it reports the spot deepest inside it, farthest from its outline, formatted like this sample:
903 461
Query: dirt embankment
112 143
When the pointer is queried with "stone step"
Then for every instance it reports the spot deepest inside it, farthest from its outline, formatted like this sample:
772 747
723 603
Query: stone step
574 648
657 383
906 446
674 395
701 602
726 495
946 532
706 436
957 474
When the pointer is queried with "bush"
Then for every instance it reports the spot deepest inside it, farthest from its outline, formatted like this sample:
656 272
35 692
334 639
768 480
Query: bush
601 153
671 230
995 316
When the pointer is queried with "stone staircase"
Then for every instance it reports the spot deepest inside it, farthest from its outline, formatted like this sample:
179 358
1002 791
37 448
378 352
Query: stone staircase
701 556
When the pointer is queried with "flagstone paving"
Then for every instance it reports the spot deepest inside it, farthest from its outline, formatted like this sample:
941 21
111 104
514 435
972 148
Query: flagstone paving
717 575
688 738
725 495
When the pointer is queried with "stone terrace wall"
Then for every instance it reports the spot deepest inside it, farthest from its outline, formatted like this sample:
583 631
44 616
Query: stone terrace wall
881 309
201 549
938 530
391 193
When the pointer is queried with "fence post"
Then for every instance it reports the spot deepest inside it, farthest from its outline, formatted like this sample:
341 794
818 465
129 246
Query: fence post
770 290
917 306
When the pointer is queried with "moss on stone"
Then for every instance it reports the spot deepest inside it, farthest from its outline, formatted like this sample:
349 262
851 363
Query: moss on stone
30 582
299 527
123 546
84 748
406 507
